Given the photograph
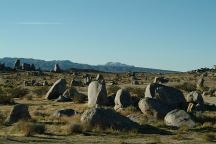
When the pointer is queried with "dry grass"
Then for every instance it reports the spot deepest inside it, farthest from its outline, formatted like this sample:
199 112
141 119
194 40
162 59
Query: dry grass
5 98
186 86
27 128
17 92
129 110
40 91
74 128
138 92
80 98
113 89
209 137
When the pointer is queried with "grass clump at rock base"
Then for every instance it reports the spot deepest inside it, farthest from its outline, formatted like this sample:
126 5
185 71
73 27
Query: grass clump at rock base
27 128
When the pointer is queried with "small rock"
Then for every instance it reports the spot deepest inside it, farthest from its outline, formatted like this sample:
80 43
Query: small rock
64 112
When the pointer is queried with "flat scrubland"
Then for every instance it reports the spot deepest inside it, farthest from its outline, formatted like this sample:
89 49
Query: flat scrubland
61 130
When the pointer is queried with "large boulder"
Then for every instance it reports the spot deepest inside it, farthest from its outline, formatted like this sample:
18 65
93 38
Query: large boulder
178 118
122 99
169 96
153 108
97 94
18 112
57 89
107 118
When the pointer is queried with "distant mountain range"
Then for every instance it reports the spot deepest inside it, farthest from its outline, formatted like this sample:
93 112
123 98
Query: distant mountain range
67 65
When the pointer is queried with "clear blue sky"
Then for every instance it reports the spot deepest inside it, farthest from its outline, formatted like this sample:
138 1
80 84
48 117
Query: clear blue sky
166 34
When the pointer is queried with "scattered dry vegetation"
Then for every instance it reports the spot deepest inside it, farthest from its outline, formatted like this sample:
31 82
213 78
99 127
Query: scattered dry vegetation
27 128
71 130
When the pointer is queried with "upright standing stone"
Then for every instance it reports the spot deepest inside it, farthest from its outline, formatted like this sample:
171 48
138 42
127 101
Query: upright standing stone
122 99
57 89
97 94
100 79
57 68
19 112
17 64
33 67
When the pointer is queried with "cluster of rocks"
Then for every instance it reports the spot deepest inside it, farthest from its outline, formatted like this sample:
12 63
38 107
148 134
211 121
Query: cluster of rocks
160 102
195 101
24 66
134 81
61 93
85 81
35 73
160 99
35 83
